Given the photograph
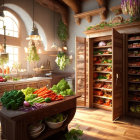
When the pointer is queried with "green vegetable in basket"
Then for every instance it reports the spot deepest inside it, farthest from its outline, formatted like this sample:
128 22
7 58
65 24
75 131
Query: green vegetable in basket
56 118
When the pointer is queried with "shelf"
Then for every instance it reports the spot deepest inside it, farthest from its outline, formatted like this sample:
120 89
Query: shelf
134 56
103 80
102 106
133 74
134 90
134 40
103 97
134 82
109 46
134 101
103 89
103 55
134 66
107 64
103 72
133 48
88 15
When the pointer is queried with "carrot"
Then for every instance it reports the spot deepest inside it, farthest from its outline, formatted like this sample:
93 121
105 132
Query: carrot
44 92
40 90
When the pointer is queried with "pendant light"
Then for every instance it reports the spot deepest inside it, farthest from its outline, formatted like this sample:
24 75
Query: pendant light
34 35
54 44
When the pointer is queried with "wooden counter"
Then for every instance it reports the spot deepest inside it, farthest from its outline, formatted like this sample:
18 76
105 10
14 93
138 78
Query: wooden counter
15 123
36 82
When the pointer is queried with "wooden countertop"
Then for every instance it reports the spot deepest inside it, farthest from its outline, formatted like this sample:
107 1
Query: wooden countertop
34 79
48 107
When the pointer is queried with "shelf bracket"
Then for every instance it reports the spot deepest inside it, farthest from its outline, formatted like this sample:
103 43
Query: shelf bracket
78 21
88 18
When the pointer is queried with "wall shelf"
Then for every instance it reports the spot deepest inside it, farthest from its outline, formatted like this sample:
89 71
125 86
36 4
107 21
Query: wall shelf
88 15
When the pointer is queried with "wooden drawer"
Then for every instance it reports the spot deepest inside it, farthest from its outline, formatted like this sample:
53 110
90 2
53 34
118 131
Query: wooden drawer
45 83
33 85
20 86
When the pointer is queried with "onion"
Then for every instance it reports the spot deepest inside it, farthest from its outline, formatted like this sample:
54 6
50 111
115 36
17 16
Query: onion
27 104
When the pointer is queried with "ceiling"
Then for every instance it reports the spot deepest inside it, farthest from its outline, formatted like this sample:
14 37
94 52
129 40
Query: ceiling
61 6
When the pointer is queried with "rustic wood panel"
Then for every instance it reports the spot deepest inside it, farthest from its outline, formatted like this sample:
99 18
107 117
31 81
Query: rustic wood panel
20 86
80 83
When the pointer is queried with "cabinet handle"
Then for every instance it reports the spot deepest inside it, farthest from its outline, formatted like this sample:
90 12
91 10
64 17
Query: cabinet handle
117 77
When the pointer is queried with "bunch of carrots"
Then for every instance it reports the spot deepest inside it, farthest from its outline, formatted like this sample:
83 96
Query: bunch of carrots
45 93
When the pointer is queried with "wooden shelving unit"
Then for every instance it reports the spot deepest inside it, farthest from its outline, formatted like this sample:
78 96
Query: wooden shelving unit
133 85
99 79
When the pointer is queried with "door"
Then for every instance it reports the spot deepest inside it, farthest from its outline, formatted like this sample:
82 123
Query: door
117 104
80 65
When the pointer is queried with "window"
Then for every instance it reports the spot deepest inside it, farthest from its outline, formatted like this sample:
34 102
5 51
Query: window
13 55
11 24
12 30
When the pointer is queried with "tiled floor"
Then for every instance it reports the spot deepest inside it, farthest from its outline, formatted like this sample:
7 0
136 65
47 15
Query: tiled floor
97 125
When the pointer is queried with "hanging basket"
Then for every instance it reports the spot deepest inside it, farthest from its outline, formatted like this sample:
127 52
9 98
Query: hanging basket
130 7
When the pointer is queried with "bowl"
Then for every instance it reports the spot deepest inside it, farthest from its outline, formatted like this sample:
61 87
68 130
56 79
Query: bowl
55 125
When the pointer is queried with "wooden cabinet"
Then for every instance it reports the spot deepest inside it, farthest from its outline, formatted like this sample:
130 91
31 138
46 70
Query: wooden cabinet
133 75
102 72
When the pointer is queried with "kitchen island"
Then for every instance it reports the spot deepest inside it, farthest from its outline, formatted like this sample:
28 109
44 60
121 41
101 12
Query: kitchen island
15 123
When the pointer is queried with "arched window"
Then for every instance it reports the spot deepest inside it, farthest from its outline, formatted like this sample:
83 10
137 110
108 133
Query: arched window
11 24
12 30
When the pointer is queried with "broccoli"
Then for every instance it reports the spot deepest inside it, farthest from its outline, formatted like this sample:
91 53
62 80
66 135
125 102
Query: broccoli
12 99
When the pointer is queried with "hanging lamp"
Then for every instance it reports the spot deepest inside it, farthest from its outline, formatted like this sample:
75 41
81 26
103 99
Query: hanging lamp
34 35
130 7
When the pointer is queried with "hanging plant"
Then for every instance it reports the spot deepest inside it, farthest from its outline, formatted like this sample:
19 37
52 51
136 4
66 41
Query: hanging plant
4 58
32 53
62 31
62 60
131 7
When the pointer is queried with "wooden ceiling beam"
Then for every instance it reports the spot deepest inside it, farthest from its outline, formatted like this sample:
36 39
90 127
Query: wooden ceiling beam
57 7
103 3
74 5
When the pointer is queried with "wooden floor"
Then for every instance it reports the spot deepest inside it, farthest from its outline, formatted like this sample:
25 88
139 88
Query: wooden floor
97 125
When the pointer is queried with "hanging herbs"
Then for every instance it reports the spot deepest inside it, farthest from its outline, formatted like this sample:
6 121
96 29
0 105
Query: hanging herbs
131 7
62 60
3 60
32 53
62 31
